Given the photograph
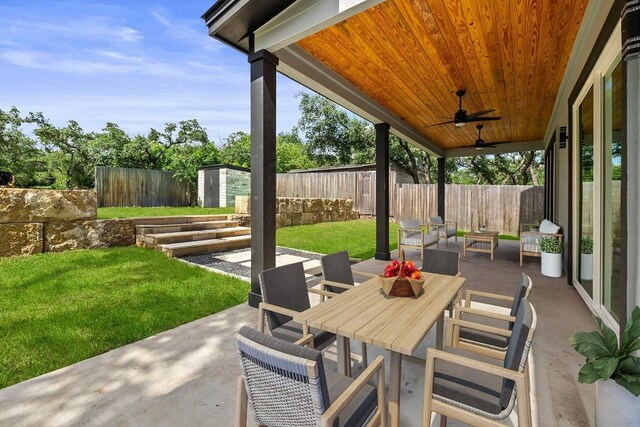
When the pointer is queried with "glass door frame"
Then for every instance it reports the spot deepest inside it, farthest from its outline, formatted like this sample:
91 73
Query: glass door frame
610 54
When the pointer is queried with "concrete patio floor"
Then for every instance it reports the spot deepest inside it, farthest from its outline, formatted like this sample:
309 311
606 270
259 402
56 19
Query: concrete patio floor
186 376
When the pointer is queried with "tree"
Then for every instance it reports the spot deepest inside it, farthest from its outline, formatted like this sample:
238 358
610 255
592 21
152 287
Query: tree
237 150
291 153
18 152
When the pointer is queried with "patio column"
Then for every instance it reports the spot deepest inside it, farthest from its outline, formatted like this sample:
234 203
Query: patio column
631 156
441 187
263 167
382 191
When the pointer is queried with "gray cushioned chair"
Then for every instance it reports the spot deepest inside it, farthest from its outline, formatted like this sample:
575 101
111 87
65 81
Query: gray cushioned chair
285 384
479 392
464 337
442 262
445 229
338 277
284 294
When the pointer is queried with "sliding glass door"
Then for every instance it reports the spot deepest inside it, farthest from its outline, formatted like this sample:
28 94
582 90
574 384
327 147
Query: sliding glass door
597 172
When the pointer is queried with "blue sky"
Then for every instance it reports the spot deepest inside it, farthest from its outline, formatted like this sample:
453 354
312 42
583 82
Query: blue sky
136 63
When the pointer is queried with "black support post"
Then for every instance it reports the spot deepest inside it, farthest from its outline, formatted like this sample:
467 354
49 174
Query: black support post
382 191
441 187
263 168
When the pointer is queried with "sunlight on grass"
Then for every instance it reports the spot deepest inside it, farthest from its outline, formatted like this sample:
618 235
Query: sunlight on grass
61 308
358 237
137 212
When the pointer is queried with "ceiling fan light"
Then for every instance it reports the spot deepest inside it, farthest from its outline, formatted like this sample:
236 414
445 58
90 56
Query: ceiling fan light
460 124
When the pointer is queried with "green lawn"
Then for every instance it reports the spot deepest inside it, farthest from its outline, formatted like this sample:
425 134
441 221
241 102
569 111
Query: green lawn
358 237
59 308
136 212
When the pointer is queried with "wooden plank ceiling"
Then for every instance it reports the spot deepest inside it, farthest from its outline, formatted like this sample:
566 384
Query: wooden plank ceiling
413 55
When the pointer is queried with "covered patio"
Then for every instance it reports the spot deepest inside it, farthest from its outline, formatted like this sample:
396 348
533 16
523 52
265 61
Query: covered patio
187 376
428 71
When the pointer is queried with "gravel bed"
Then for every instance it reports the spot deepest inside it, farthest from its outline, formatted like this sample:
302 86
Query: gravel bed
211 260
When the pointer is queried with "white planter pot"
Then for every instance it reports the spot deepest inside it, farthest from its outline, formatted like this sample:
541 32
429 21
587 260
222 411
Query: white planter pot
586 266
616 406
551 265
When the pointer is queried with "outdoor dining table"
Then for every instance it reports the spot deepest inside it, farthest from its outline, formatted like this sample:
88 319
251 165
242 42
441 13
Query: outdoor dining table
396 324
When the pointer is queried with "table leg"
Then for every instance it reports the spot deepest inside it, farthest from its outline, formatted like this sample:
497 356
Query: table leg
464 244
394 388
440 331
344 356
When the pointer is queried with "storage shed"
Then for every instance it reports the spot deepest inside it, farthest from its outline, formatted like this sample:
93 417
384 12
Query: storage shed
218 185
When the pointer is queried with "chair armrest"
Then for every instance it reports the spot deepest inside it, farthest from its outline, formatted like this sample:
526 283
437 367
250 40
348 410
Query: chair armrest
321 292
470 293
325 282
433 354
557 235
377 366
417 230
265 306
484 313
452 323
523 227
455 223
529 233
364 273
306 340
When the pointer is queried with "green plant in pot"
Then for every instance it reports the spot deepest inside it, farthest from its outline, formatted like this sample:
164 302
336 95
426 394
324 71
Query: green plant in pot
551 263
586 258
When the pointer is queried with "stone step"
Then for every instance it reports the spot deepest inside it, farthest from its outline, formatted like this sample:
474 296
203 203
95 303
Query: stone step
190 236
177 219
175 228
205 246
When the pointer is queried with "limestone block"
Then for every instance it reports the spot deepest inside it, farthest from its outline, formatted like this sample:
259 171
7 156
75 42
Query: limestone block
331 204
338 215
64 236
31 205
282 206
243 220
20 239
296 205
348 204
307 218
243 205
283 220
353 215
296 218
312 205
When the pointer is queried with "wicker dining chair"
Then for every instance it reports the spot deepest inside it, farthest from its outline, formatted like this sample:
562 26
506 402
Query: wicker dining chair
338 277
464 337
284 294
464 386
285 384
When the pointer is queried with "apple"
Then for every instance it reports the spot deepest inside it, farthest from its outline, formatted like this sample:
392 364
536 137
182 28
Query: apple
409 267
389 273
395 264
416 275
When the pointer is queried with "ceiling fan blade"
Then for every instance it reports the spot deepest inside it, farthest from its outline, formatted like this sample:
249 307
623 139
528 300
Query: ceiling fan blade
443 123
479 113
482 119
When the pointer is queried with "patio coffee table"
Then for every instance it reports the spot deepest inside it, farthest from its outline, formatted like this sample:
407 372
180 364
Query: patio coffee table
366 314
481 241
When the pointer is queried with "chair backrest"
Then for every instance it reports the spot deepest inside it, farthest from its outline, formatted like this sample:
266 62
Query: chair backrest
522 291
441 262
435 220
412 224
337 268
518 348
285 382
284 286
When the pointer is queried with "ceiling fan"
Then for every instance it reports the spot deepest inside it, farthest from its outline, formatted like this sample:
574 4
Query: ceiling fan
461 117
480 144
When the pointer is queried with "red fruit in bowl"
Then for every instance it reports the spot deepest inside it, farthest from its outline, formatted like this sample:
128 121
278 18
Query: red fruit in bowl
409 267
395 264
389 273
416 275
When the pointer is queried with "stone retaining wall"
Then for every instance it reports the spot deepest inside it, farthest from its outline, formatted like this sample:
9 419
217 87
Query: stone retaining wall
35 221
301 211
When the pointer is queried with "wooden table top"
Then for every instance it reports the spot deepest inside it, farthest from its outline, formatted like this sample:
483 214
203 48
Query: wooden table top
482 234
366 314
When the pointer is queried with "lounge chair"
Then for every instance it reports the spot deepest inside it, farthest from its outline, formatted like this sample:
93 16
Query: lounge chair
446 229
412 235
530 235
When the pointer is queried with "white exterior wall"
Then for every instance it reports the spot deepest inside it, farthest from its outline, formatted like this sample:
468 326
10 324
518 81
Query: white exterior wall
223 188
200 201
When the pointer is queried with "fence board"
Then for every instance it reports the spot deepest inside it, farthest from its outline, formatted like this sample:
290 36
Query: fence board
498 207
140 187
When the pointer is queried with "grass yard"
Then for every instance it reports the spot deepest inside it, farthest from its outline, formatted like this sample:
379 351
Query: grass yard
60 308
358 237
136 212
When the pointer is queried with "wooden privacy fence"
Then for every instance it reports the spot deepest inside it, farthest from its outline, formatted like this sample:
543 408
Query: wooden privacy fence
140 187
497 207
